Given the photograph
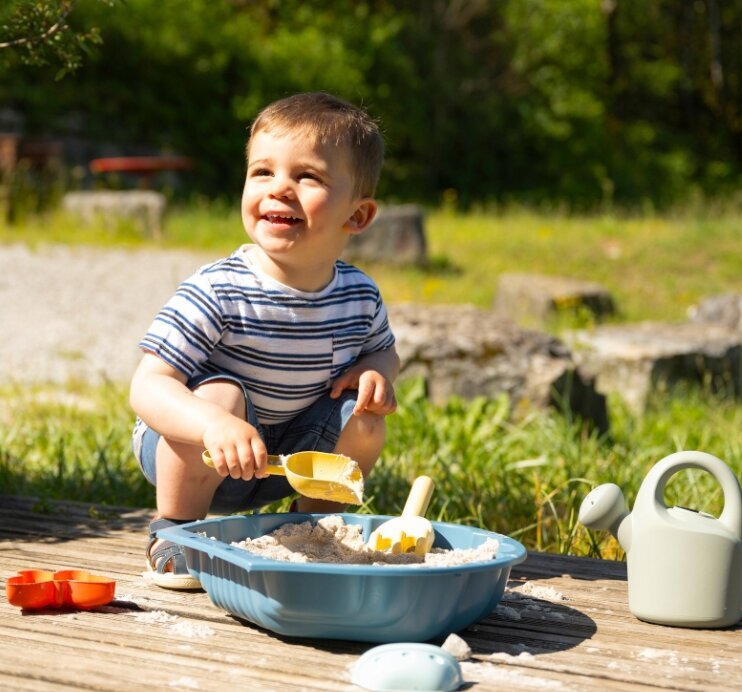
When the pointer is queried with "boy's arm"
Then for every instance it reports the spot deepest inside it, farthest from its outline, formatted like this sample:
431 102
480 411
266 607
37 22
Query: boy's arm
372 375
159 396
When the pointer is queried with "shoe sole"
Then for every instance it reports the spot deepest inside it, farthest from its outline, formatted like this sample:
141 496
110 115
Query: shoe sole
176 582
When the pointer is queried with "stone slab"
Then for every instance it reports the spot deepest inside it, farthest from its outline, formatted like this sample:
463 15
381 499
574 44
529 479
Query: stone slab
724 309
635 360
145 208
531 299
469 352
397 236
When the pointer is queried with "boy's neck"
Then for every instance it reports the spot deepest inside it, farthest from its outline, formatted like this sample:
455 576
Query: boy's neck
302 277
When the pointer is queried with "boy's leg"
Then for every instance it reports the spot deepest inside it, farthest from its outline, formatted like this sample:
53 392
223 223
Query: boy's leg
361 439
185 485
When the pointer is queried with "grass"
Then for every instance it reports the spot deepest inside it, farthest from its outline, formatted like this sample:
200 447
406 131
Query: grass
655 267
525 478
521 476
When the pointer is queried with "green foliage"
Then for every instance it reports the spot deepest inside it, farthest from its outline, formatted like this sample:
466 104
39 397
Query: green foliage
581 103
33 190
523 477
39 33
70 442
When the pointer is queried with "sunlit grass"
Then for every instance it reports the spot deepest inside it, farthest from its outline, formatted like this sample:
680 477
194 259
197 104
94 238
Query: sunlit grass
655 267
524 478
69 442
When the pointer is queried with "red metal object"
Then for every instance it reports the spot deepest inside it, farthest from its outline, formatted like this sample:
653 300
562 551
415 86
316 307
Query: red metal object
140 165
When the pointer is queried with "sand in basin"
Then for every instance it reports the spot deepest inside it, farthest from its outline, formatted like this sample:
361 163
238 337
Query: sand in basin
332 540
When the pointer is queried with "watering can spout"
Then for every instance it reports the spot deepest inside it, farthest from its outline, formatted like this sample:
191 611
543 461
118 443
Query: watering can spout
605 508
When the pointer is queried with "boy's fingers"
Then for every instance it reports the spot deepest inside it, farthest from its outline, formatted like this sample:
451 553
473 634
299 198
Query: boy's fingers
232 459
247 467
217 461
244 452
365 395
338 386
261 458
387 405
380 396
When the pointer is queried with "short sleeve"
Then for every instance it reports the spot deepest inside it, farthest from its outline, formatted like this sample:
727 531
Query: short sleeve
185 332
380 335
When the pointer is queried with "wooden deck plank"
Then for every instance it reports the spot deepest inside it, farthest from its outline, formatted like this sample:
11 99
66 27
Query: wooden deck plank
563 624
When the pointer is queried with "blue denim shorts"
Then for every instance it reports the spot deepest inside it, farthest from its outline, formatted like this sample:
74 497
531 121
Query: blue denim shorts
317 428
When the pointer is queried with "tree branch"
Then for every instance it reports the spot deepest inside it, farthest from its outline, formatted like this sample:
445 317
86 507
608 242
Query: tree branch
57 26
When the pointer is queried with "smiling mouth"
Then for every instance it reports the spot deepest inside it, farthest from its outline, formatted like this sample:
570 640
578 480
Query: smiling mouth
281 219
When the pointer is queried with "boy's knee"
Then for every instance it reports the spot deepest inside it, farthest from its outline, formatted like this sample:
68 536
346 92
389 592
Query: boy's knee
368 429
224 393
372 424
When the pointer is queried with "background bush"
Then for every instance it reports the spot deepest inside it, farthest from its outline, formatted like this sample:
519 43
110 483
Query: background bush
579 103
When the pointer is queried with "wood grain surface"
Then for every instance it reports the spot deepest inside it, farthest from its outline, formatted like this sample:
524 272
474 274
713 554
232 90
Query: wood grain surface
564 624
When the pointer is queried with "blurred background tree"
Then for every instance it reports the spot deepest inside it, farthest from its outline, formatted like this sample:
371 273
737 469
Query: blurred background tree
37 32
575 103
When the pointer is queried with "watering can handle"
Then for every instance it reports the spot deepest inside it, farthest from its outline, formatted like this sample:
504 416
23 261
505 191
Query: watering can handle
653 487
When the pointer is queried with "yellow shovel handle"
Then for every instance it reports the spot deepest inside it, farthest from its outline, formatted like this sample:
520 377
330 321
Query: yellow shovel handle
275 466
419 497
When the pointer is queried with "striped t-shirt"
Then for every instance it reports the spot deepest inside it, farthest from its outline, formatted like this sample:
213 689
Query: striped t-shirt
285 345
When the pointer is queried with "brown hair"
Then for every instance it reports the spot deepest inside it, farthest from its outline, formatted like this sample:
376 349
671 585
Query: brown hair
331 120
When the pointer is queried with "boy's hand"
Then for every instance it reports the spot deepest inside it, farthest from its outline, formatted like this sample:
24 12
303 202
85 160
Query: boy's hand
375 392
236 448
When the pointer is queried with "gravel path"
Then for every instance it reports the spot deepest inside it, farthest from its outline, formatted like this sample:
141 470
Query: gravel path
77 313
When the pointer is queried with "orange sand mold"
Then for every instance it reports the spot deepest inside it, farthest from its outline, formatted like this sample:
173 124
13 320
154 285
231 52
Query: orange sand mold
38 588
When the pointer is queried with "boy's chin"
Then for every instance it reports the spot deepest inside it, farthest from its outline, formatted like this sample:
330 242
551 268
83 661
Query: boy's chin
282 255
278 245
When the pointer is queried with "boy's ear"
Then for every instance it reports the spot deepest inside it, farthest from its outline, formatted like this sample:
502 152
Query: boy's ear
363 216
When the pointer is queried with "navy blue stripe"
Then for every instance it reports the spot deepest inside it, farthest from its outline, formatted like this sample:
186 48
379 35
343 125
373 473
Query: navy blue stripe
281 366
193 336
203 303
172 356
319 328
347 293
268 388
263 356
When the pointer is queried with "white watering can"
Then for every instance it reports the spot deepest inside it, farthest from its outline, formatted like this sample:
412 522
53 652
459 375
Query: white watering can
684 566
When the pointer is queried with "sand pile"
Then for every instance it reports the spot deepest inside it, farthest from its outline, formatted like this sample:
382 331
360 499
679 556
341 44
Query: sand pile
332 540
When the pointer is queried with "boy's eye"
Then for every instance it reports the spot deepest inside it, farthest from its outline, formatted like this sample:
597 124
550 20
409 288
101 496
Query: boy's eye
260 172
306 175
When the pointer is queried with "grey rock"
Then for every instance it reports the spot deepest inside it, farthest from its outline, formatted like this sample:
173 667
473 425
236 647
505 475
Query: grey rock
635 360
468 352
725 309
530 299
144 207
397 236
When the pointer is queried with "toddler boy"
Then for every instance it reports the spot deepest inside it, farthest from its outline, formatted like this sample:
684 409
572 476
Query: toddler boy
278 348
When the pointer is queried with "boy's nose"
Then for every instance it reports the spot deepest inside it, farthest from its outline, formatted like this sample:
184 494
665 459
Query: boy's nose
280 187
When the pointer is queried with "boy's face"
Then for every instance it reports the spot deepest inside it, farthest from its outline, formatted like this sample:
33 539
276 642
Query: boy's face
299 206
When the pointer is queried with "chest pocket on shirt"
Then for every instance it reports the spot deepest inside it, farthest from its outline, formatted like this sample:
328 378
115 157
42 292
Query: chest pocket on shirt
346 347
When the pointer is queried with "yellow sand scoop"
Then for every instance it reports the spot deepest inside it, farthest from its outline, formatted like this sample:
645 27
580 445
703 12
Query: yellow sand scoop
410 532
320 475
